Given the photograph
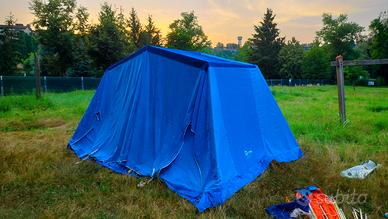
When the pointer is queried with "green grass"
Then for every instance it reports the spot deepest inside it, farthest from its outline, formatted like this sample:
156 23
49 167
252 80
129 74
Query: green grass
39 177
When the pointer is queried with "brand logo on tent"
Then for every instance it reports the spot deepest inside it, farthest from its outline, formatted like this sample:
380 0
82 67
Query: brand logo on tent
247 153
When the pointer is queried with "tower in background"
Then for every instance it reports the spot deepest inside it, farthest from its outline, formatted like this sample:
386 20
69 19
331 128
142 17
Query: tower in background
239 39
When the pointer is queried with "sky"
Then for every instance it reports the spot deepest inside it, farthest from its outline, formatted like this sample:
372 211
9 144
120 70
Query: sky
224 20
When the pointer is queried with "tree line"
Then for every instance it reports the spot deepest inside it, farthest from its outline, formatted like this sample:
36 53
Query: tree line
69 45
338 36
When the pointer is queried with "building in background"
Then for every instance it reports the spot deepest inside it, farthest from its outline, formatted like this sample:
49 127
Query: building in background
17 27
307 46
231 47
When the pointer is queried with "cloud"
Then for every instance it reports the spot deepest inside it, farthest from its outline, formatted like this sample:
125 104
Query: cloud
219 12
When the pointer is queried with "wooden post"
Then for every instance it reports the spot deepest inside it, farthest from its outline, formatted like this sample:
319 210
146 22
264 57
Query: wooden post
37 75
341 89
339 64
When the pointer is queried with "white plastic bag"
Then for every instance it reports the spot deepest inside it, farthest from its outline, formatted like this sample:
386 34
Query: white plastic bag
360 171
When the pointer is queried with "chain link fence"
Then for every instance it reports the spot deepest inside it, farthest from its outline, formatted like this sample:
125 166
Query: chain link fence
298 82
25 85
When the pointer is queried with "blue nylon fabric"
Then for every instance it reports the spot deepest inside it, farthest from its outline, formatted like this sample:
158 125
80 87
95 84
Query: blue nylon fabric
284 211
206 126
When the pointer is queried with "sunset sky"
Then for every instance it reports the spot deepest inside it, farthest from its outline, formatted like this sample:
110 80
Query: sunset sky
224 20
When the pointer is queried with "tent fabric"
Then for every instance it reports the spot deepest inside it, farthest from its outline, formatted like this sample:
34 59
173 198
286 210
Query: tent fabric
290 210
206 126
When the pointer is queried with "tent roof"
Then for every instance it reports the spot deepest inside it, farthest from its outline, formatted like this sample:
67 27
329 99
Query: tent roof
196 59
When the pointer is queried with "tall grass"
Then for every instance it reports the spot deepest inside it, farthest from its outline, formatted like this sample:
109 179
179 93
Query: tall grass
39 177
18 113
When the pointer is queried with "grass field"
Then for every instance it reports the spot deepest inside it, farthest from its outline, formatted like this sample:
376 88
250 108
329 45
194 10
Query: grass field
39 177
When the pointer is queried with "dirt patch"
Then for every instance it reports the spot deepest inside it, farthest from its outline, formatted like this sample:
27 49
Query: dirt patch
27 124
50 123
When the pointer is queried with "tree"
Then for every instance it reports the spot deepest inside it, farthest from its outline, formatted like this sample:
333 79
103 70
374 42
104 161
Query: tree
150 34
185 33
54 21
355 73
25 44
82 63
108 43
316 63
291 59
340 35
245 52
379 44
8 48
266 45
122 23
81 25
379 36
29 64
135 30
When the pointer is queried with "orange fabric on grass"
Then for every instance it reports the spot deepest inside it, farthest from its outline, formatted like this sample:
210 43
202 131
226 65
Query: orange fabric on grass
321 205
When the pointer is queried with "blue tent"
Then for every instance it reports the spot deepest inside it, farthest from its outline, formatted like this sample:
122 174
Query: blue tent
206 126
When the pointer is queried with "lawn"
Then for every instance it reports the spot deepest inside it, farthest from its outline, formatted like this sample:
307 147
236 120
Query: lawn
40 177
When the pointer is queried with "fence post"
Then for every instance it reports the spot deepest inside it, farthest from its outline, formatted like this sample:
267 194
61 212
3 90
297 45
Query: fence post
37 75
45 84
1 84
82 83
341 90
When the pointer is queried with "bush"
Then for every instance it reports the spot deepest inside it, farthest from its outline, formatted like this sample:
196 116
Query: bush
357 75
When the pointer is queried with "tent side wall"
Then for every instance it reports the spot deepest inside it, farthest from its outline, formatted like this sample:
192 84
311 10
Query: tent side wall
249 129
140 109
